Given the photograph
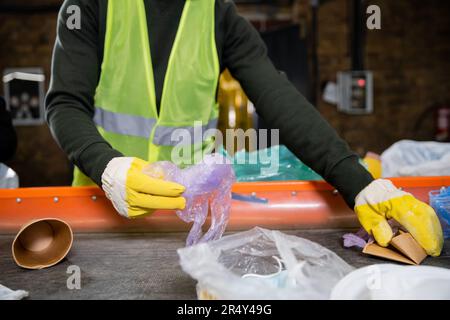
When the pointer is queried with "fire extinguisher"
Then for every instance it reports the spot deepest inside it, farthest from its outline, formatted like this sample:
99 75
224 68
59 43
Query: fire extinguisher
442 123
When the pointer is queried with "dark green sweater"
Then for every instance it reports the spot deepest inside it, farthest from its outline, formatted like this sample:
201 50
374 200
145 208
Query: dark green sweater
76 68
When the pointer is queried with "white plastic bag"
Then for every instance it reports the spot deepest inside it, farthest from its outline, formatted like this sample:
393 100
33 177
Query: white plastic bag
8 294
394 282
8 178
247 266
414 158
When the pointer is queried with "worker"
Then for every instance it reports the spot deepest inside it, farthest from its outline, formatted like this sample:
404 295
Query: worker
137 70
8 145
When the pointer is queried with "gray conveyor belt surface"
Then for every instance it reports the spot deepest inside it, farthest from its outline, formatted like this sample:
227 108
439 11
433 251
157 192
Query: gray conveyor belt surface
141 266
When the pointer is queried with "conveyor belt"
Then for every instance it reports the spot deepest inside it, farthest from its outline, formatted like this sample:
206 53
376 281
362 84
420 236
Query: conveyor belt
141 266
290 205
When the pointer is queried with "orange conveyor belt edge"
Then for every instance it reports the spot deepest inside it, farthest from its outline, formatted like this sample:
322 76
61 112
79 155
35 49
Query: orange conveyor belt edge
290 205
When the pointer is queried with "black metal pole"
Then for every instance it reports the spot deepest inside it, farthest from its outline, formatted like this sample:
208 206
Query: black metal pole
314 59
28 9
357 34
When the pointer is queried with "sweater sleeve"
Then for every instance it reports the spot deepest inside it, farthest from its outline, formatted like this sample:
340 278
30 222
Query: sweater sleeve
70 99
282 107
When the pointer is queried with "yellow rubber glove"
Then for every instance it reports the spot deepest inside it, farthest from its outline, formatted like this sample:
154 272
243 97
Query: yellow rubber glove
135 194
381 201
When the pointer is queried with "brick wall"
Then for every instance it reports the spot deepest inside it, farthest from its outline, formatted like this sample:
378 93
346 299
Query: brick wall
410 60
26 40
409 57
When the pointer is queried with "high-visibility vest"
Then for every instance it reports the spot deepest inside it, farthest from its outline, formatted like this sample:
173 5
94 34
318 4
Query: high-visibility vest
125 105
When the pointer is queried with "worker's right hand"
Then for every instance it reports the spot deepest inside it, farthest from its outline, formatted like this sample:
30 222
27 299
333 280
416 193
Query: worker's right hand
135 194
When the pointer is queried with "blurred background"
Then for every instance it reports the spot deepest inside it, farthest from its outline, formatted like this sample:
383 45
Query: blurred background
404 95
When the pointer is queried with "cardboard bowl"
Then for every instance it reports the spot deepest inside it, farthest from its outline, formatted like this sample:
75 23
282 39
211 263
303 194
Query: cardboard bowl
42 243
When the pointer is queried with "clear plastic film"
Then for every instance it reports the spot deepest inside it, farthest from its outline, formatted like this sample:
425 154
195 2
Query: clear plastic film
263 264
208 189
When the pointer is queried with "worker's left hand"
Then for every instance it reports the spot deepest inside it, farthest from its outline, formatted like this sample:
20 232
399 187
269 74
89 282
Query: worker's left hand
381 201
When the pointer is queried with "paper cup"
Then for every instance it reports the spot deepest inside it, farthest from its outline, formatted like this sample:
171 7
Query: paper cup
42 243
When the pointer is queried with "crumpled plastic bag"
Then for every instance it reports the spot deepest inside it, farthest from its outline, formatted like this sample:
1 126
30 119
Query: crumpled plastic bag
248 165
8 294
361 238
8 178
414 158
208 187
263 264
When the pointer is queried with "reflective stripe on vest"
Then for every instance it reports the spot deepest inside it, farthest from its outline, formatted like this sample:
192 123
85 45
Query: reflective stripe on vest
127 115
141 127
123 123
166 136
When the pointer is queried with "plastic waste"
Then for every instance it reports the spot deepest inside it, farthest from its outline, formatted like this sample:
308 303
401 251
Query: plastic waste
440 201
361 238
274 163
8 294
263 264
208 188
414 158
8 178
393 282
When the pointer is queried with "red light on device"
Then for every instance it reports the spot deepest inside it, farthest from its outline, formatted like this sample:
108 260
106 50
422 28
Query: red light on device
361 82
